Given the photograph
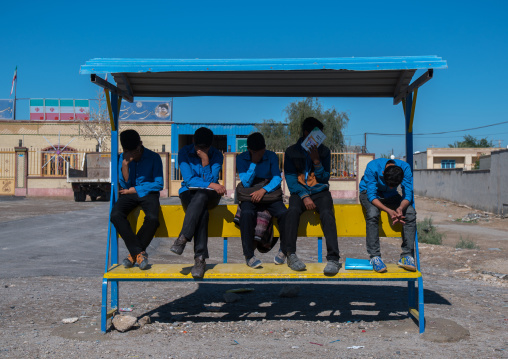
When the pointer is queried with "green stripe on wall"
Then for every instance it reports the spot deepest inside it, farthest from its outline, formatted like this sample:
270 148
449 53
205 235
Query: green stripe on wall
67 103
81 103
51 102
36 102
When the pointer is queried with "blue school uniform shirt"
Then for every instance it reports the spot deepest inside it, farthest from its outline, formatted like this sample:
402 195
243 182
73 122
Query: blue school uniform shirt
373 180
267 168
193 172
145 176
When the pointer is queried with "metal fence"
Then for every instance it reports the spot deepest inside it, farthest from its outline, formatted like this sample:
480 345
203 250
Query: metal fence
53 163
7 163
343 164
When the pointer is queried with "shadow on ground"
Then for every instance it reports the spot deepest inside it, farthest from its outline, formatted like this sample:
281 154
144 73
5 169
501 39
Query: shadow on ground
336 303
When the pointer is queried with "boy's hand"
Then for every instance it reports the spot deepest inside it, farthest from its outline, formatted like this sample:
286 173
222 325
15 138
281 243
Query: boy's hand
131 190
314 155
218 188
309 204
257 195
204 157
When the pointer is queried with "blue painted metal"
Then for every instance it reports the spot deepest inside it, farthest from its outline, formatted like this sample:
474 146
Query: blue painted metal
103 65
231 130
104 305
114 185
421 306
320 249
268 280
225 250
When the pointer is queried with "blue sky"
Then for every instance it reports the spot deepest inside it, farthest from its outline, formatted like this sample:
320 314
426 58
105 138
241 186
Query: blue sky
48 41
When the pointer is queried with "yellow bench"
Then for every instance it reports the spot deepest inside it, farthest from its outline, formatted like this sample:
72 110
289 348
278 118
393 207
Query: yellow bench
350 223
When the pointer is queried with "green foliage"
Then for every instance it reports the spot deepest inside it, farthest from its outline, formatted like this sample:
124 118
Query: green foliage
472 142
276 135
279 136
385 155
427 232
466 243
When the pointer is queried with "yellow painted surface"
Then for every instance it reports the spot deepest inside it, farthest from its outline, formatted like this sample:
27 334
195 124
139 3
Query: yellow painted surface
242 271
414 313
349 218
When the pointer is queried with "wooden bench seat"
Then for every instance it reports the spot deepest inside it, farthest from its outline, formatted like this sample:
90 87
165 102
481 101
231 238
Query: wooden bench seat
350 223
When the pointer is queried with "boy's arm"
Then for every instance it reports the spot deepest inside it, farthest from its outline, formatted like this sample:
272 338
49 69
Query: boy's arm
158 179
322 171
246 171
291 177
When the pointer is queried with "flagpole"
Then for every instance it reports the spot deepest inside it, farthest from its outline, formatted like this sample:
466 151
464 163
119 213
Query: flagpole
15 88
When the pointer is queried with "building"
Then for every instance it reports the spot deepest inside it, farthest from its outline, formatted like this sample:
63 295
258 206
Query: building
446 158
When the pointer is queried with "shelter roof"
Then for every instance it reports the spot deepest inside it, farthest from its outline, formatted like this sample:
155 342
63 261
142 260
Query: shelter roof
319 77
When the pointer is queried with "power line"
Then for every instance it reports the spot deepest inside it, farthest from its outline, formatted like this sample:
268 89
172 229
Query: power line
430 133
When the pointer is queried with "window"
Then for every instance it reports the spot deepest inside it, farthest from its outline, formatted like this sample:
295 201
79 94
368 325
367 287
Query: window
447 163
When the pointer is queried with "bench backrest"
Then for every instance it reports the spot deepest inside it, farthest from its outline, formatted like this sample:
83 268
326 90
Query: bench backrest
349 217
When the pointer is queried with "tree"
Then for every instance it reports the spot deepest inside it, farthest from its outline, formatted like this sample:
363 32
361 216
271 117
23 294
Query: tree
276 135
98 127
472 142
282 135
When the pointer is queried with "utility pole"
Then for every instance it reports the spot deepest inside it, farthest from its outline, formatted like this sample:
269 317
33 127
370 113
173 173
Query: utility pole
499 142
365 142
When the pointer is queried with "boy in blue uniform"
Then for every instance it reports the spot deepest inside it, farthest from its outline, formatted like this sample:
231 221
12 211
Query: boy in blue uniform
307 175
200 164
258 166
140 180
378 192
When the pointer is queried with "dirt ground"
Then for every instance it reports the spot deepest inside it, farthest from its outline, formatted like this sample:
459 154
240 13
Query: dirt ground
466 296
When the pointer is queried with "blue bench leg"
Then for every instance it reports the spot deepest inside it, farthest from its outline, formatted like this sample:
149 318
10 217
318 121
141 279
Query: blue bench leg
320 250
225 250
421 309
104 306
114 294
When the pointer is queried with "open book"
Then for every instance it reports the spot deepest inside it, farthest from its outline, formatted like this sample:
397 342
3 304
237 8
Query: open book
315 138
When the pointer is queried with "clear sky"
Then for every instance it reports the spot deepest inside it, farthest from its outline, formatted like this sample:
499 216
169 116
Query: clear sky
48 41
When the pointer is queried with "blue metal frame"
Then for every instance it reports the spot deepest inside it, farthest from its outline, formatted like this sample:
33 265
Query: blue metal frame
98 65
412 291
112 243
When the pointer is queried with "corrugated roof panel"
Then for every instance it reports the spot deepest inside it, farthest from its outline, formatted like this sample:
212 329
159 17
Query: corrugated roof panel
328 77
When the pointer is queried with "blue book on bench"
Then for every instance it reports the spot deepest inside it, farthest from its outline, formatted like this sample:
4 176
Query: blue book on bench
354 263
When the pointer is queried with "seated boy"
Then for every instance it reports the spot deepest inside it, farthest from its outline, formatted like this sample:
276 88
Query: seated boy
200 164
140 180
307 175
258 167
378 192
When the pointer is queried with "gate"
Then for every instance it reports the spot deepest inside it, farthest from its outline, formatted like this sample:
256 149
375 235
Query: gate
7 172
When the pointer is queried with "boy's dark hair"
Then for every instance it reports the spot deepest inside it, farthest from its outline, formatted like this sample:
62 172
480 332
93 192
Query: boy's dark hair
256 141
203 137
310 123
393 176
130 140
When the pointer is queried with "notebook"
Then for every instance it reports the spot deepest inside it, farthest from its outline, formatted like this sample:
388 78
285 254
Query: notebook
354 263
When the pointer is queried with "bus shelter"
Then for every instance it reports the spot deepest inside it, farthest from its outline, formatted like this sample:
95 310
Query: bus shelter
366 77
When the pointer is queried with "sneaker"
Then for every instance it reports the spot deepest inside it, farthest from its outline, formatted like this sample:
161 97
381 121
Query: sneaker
332 267
129 261
198 271
280 258
254 262
295 263
142 260
179 245
378 265
408 263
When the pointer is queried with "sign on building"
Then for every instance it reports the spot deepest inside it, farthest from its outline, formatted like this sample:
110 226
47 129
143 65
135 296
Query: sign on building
147 111
59 110
6 109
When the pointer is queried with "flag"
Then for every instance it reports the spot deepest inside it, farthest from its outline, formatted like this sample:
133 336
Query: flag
82 109
67 110
36 109
14 78
106 78
52 109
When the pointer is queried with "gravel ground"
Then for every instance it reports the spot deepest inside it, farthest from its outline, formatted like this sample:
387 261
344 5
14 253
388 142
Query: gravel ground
466 300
